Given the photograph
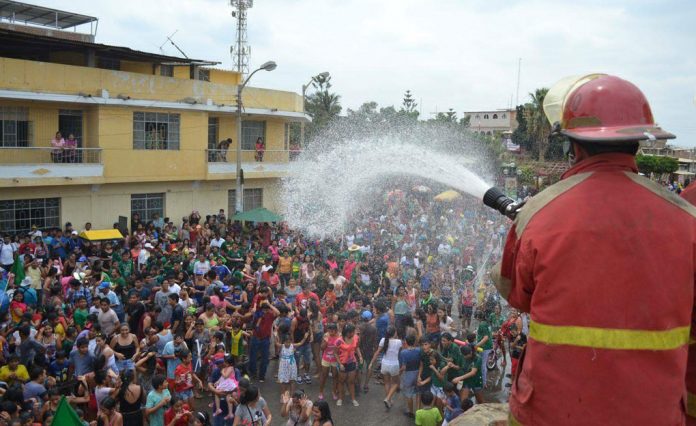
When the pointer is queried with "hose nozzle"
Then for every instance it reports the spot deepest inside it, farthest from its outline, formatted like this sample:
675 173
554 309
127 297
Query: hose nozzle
497 200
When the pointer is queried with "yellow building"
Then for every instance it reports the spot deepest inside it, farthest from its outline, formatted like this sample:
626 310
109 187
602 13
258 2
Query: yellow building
147 128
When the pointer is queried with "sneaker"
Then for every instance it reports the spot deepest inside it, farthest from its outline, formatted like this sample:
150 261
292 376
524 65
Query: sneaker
299 380
308 379
355 403
339 402
262 380
320 397
335 397
386 404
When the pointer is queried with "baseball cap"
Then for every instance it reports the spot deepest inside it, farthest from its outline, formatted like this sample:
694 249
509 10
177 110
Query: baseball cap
366 315
105 284
148 246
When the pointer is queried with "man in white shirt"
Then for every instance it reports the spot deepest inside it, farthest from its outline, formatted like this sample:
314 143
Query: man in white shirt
143 255
338 281
7 251
218 241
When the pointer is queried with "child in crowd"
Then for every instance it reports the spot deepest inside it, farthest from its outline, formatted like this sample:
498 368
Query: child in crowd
226 383
287 366
428 415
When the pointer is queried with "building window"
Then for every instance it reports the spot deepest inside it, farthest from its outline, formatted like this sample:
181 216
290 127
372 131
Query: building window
155 130
18 216
109 64
146 205
167 70
15 127
213 134
495 116
203 74
485 116
253 199
503 116
70 123
251 131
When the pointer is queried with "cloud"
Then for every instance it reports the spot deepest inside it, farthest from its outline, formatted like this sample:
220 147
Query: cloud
450 53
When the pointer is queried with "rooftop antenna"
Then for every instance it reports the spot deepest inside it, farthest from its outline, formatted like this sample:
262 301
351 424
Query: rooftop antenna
169 38
519 67
241 50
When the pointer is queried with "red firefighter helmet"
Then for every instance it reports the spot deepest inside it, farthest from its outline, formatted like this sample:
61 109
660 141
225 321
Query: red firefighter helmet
603 108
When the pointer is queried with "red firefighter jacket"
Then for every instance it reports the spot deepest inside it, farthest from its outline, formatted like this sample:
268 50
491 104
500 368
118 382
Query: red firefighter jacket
604 262
689 194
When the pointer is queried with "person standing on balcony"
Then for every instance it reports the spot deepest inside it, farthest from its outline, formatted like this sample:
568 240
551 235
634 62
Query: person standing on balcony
222 148
260 149
70 153
58 144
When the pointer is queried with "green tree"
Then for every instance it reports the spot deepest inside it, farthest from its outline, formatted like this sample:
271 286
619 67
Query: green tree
408 106
538 127
646 164
450 116
666 165
322 105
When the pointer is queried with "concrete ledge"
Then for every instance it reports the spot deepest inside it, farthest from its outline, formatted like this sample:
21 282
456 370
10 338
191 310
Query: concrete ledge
483 415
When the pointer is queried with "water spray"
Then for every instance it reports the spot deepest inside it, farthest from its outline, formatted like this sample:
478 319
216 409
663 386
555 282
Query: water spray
497 200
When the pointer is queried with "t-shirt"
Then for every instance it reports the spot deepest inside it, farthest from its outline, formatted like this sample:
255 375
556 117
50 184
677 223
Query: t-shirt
514 351
346 351
382 324
20 372
80 316
107 321
154 398
454 402
264 324
485 330
83 364
34 390
390 350
183 377
251 416
410 358
170 349
476 381
427 417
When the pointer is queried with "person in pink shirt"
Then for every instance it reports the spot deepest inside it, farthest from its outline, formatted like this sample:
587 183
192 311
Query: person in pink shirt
70 152
58 144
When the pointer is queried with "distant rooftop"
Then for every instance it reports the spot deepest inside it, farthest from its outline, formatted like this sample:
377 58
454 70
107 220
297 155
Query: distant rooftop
29 14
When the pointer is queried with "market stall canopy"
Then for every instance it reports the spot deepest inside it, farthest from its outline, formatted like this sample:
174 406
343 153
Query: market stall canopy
258 215
101 235
448 195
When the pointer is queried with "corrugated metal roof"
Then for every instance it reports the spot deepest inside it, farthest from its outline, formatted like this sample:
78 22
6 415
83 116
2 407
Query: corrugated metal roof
38 15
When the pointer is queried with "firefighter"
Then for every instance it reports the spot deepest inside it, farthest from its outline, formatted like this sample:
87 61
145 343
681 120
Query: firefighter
604 263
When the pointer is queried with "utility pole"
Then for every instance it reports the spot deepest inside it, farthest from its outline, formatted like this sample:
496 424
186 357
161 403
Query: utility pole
519 68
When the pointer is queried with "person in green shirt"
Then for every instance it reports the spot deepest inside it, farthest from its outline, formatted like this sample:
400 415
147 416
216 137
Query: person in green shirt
451 354
428 415
484 339
80 313
470 374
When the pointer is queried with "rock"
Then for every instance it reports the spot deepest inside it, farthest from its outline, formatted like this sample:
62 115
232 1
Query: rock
483 415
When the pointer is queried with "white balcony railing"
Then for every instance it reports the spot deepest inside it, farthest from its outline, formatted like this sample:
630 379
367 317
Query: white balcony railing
48 155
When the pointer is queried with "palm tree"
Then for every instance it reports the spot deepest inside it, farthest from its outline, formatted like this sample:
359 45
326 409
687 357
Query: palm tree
538 126
322 105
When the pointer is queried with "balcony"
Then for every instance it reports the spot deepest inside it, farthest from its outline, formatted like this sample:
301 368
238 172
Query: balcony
273 163
45 162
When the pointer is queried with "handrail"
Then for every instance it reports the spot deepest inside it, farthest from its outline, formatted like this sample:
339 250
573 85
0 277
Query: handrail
251 155
49 155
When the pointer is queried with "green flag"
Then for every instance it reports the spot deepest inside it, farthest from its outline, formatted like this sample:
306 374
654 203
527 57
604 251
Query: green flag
18 271
65 415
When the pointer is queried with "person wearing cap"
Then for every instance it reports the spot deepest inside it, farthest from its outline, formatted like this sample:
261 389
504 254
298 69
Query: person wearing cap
590 259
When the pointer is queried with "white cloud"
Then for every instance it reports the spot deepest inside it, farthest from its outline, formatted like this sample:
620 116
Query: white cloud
450 53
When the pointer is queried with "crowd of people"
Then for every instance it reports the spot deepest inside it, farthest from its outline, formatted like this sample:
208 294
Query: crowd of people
140 329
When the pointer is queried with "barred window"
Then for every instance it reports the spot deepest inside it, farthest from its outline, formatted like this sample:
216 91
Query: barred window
167 70
146 205
18 216
251 131
155 130
15 127
253 199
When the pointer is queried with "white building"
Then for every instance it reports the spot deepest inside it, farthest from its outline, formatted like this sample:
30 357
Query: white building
491 121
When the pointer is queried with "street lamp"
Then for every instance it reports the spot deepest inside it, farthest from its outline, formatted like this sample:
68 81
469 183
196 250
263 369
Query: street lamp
239 192
304 90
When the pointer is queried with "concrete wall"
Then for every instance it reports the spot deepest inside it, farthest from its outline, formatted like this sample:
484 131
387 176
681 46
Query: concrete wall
137 82
102 204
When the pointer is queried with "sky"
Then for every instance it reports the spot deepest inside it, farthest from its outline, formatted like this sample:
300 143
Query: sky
459 54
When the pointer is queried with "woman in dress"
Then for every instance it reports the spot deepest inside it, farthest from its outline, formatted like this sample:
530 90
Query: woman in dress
131 398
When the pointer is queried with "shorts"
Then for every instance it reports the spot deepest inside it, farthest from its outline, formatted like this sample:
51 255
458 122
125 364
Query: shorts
303 352
390 369
350 367
126 364
408 383
465 311
188 393
327 364
438 392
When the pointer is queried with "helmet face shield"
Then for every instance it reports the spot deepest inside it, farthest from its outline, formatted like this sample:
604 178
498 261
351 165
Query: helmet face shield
554 102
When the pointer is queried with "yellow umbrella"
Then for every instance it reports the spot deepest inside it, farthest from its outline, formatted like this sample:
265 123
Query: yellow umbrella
448 195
